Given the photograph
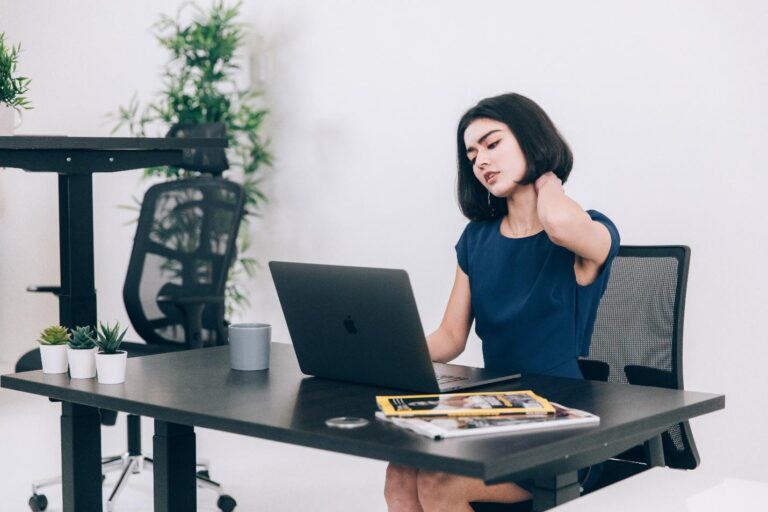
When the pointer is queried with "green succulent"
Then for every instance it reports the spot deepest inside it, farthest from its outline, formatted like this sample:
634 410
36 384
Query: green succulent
83 338
108 339
54 335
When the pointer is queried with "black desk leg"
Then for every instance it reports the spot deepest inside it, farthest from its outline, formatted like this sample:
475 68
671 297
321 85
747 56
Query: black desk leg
654 452
554 491
80 458
174 467
77 300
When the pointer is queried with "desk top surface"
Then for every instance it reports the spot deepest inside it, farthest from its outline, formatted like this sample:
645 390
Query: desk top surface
197 387
51 142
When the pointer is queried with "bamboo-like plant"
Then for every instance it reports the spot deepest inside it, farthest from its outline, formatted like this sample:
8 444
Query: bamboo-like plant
200 87
12 88
54 335
108 339
83 338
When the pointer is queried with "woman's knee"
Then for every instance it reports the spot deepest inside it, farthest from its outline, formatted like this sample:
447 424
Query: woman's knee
400 481
434 487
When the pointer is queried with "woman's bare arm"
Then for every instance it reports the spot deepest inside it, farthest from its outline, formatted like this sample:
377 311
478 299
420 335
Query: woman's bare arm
449 340
569 226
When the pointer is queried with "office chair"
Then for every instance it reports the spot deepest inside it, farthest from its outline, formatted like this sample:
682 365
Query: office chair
174 287
638 339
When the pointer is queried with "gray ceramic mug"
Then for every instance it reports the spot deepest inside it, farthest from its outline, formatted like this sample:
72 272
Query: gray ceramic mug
249 346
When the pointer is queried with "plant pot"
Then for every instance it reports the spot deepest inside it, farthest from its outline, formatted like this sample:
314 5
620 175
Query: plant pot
82 363
54 358
8 121
110 368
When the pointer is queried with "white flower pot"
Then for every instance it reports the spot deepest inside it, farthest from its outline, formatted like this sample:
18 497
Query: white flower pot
110 368
82 363
54 358
8 120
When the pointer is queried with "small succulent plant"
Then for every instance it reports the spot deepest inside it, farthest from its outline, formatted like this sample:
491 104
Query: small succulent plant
83 338
109 338
54 335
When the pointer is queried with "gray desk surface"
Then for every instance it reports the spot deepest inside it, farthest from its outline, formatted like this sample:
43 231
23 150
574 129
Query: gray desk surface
197 388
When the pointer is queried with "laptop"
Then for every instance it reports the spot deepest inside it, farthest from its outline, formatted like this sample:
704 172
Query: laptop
361 325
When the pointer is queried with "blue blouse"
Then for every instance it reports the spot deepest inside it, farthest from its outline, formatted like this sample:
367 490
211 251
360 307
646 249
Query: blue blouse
530 313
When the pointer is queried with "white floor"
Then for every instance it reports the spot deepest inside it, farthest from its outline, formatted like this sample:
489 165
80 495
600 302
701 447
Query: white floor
669 490
260 475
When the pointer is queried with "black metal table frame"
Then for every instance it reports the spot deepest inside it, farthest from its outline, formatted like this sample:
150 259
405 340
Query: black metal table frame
75 159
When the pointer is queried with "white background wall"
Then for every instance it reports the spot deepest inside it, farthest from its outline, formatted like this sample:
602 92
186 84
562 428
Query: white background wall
664 105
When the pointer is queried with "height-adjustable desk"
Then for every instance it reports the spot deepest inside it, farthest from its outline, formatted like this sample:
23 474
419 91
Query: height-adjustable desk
197 388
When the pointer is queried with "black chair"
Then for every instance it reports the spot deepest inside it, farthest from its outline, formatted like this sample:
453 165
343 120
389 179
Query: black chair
638 339
174 287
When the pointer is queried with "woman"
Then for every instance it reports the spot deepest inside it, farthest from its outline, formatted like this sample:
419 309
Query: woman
532 266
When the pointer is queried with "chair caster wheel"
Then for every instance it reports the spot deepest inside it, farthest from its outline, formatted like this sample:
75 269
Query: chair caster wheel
38 502
226 503
204 473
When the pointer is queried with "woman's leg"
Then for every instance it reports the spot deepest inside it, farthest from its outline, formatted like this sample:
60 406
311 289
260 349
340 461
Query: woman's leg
400 489
452 493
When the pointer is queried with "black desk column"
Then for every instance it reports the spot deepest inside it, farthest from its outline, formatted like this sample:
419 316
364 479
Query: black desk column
77 301
80 458
174 467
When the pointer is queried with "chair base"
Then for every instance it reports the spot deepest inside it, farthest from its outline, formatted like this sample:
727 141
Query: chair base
131 465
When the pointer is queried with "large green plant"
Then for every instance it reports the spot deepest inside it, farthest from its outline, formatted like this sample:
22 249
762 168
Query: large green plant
12 88
200 87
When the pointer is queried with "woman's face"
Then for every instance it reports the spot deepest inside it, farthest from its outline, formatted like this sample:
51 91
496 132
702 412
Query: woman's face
497 160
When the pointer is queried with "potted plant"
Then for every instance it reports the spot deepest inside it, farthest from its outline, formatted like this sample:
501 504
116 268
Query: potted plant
53 349
81 352
110 362
12 88
202 84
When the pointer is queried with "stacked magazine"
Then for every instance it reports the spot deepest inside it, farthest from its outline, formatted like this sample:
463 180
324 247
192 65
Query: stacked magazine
466 414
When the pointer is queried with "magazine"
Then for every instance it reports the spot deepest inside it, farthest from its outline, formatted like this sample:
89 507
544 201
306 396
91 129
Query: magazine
465 404
458 426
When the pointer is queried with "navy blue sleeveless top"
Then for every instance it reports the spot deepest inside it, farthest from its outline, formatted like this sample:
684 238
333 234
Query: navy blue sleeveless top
530 313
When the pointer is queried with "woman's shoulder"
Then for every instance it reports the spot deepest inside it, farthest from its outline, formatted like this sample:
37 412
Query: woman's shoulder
598 216
603 219
479 228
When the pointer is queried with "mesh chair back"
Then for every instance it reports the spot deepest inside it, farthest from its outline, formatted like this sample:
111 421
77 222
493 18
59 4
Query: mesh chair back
184 247
638 333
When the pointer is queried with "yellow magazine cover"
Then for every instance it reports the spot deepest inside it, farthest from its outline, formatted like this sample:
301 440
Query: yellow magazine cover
465 404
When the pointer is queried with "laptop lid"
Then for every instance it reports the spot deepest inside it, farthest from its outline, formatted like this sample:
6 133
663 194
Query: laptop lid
362 325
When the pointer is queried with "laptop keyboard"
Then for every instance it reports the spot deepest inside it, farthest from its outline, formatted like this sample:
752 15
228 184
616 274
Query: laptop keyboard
447 379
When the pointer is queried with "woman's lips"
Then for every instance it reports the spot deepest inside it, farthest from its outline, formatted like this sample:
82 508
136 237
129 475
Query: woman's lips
491 177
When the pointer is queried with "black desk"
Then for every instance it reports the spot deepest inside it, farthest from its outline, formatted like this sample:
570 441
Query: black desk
75 159
197 388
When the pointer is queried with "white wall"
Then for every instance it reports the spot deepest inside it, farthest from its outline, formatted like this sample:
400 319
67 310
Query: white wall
663 103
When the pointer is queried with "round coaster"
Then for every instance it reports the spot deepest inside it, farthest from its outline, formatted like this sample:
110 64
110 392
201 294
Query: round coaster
346 422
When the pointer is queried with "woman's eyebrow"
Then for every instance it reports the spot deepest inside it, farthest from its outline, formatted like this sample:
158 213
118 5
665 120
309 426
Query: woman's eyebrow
481 139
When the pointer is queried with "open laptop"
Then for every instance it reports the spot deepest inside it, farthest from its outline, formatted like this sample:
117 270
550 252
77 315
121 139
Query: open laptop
361 325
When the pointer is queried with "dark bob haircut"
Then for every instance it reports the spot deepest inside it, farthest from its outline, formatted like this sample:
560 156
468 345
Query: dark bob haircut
542 145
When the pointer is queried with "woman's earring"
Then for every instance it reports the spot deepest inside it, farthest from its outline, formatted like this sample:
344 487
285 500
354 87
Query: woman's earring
490 206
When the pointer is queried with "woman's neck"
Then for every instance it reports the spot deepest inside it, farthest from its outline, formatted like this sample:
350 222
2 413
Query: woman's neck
522 218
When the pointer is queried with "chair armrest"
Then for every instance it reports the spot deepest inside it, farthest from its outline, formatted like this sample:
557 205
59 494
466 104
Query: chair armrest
646 376
594 370
56 290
